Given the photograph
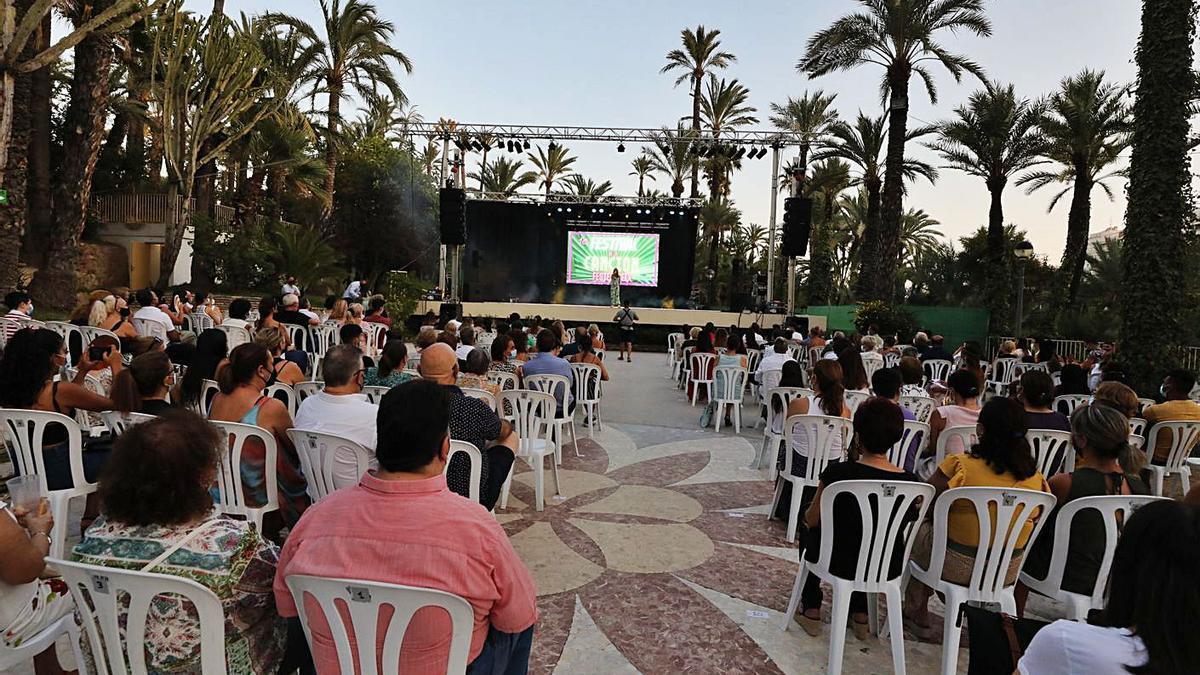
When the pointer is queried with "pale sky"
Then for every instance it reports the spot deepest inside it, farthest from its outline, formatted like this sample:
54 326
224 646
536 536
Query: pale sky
584 63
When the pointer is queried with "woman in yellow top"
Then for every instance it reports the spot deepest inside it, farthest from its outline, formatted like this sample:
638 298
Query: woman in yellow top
1002 458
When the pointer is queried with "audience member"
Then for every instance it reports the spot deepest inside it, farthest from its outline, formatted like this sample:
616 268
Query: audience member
390 371
547 362
886 383
913 374
407 500
937 350
504 355
962 411
144 386
289 312
474 372
151 311
475 422
704 345
353 335
339 312
466 342
450 338
20 309
597 338
154 495
1176 407
828 399
205 304
1119 397
267 306
209 357
1036 393
1047 353
112 314
571 346
239 310
284 360
241 400
854 374
341 409
878 425
774 359
377 311
1074 381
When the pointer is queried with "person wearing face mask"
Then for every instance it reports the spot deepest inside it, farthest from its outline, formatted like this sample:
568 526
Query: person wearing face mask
1176 407
241 400
504 356
20 310
143 386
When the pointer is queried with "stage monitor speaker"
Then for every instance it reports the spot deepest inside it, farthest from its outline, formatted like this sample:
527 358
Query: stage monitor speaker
797 225
453 216
449 311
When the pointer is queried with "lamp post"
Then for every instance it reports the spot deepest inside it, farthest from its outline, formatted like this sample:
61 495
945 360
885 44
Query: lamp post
1023 251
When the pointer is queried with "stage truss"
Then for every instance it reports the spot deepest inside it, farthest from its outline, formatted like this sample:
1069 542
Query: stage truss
603 200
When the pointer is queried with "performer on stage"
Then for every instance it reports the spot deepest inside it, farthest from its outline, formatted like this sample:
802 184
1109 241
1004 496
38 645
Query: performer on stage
614 288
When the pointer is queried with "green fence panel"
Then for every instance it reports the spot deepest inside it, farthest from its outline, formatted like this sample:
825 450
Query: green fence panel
957 324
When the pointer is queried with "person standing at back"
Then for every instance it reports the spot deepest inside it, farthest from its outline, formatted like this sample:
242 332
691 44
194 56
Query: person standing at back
290 287
626 318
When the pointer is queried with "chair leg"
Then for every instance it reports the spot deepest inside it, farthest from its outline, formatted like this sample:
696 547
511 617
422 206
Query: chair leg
592 420
794 600
539 481
896 625
737 417
719 412
837 629
557 482
1158 483
775 499
695 393
1183 479
951 634
873 613
794 512
574 438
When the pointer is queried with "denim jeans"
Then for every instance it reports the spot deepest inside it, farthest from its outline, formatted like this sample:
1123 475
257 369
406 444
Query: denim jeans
503 653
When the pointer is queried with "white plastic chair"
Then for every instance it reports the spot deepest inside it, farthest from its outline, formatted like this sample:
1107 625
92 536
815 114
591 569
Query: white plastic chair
685 368
936 370
1067 403
283 393
1114 510
855 399
813 354
672 342
507 381
912 430
771 439
1144 403
364 602
481 394
1053 451
11 657
899 503
921 407
375 394
1137 426
698 364
533 420
232 493
769 380
1002 513
234 335
1183 435
820 430
117 422
556 386
305 389
90 333
103 595
586 377
475 458
963 434
208 391
731 392
298 336
66 330
1001 376
25 430
319 454
149 328
891 360
322 338
872 363
201 322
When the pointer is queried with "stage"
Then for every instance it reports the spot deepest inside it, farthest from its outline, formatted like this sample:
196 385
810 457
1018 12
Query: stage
599 314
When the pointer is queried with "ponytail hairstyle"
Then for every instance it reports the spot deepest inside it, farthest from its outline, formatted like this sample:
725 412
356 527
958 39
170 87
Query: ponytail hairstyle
141 379
244 362
99 311
1107 433
211 349
1002 444
1037 388
832 395
266 309
274 338
964 383
395 354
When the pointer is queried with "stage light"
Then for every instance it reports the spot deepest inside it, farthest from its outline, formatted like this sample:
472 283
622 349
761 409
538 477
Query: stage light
694 149
620 147
601 210
739 153
552 146
526 143
478 146
510 145
560 209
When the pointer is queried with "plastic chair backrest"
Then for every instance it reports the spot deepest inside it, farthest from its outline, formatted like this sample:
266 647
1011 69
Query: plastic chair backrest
698 364
507 381
481 394
67 330
1114 510
375 393
476 460
1067 403
673 340
364 603
284 394
885 510
770 380
814 355
319 453
587 382
532 414
149 328
1183 435
1137 426
232 491
920 406
305 389
558 386
784 396
754 357
201 322
117 422
733 381
891 360
90 333
105 595
323 337
937 369
964 437
912 430
1052 450
298 336
234 335
1002 514
820 432
1002 371
208 391
25 430
855 399
872 362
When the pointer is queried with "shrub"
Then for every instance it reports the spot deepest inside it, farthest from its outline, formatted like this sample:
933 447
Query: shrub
890 320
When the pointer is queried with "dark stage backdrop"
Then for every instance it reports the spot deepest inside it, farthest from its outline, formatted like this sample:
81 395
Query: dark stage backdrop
518 252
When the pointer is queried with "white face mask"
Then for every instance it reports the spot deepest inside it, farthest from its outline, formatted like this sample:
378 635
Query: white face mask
30 310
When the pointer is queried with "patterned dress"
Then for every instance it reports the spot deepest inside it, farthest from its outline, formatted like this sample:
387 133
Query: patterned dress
230 559
393 379
614 290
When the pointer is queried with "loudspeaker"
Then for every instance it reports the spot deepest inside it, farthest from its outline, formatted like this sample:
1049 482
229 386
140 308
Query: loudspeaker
453 215
449 311
797 225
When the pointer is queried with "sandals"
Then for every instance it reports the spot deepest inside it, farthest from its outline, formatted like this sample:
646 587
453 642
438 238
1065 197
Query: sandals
810 625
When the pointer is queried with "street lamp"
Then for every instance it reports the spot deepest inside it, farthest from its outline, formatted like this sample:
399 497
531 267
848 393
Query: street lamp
1023 251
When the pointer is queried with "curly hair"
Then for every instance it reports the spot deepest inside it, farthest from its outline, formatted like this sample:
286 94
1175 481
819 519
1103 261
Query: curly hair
1003 445
160 471
27 365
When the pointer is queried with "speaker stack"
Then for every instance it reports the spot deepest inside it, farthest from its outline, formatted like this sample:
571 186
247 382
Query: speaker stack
797 226
453 215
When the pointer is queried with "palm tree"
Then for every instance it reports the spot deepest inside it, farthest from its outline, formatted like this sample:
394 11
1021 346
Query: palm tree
810 118
716 217
899 35
724 107
643 168
585 187
553 165
1103 284
487 141
700 56
829 179
672 157
386 118
918 237
503 175
1086 124
429 156
994 136
862 145
354 53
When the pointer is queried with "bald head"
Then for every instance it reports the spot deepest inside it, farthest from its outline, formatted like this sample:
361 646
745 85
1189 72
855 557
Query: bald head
439 364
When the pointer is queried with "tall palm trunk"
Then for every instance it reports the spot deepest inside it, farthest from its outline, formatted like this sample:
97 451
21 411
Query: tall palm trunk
641 184
15 178
714 246
998 286
677 188
40 214
331 149
881 284
83 133
868 243
696 134
820 263
1078 222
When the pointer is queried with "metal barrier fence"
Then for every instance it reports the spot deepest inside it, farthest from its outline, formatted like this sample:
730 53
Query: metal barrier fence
1075 350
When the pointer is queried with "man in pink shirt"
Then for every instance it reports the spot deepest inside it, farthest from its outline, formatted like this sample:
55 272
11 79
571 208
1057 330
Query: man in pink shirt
401 525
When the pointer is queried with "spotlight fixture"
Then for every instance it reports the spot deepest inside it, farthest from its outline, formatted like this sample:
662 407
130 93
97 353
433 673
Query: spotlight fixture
477 145
560 209
740 152
510 145
526 143
694 149
620 147
552 146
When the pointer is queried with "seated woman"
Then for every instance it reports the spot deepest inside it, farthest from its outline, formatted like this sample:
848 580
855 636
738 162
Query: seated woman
100 378
704 345
339 312
31 359
829 398
790 375
854 374
354 314
504 355
597 337
154 495
913 373
1002 458
241 400
734 355
29 604
878 425
587 354
112 313
1117 396
390 371
267 307
277 341
144 386
475 370
209 358
963 411
204 303
1036 393
1074 381
1101 437
1153 582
